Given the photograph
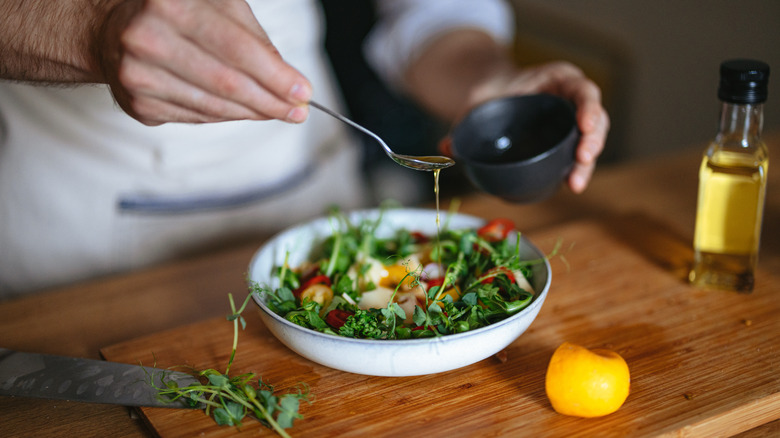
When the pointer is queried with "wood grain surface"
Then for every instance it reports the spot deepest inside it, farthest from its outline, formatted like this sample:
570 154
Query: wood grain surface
702 363
643 210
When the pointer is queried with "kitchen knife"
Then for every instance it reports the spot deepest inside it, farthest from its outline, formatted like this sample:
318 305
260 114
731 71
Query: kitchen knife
85 380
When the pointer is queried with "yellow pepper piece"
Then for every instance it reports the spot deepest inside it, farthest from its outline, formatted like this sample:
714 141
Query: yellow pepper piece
453 292
318 293
395 275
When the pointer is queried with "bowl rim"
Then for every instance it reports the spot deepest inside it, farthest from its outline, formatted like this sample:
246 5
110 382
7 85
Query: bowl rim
537 300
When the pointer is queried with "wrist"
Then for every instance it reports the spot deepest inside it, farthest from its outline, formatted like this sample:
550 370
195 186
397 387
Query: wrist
51 41
457 71
493 82
105 49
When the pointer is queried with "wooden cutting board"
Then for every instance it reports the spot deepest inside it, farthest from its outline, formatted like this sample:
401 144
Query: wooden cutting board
702 363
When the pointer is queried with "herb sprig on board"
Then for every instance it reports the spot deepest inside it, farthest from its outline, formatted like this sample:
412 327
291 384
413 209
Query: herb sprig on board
230 399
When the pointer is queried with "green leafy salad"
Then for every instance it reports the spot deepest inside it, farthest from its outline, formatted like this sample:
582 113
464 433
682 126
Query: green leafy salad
406 286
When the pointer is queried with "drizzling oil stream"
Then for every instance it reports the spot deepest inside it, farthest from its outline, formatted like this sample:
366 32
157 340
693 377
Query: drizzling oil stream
438 222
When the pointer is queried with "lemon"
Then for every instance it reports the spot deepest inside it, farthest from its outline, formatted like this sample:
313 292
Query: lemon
586 383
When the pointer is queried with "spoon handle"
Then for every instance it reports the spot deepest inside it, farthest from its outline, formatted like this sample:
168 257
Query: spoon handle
416 163
351 123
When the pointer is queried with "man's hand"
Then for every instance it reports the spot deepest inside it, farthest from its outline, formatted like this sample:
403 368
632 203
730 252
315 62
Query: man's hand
197 61
464 68
165 60
565 80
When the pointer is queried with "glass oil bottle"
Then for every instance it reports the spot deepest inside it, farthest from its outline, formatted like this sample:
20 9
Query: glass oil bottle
732 183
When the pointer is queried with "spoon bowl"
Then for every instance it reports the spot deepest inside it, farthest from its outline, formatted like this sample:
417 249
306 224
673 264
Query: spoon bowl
425 163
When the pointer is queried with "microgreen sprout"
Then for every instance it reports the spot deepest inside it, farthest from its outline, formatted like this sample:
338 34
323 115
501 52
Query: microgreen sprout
229 399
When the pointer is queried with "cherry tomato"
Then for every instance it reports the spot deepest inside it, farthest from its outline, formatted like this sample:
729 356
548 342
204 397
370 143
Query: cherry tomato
337 317
498 270
435 282
419 237
496 229
317 279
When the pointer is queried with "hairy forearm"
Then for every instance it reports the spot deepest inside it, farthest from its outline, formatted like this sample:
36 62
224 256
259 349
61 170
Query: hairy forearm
51 40
451 74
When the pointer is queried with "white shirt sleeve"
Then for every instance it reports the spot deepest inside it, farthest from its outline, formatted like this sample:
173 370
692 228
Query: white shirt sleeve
405 27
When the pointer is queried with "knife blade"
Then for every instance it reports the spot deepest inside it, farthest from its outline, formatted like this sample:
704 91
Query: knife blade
86 380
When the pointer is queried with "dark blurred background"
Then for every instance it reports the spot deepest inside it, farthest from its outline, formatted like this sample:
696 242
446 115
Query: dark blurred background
655 61
399 122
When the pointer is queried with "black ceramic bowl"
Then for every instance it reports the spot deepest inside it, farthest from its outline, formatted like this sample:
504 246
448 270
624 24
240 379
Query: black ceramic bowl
519 148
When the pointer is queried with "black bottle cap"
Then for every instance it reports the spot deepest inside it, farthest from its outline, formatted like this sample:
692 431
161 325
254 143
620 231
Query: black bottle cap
743 81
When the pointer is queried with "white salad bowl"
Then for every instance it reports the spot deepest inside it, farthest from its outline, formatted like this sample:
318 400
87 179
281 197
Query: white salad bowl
395 358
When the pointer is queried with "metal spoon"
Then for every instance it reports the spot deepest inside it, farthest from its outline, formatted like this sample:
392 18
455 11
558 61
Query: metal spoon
430 162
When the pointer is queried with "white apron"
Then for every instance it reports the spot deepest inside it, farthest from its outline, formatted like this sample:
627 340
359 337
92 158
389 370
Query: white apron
85 190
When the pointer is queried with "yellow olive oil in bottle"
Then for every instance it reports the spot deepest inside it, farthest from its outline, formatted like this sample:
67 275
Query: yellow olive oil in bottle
732 183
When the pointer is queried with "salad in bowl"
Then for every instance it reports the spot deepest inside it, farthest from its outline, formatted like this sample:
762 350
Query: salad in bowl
399 292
